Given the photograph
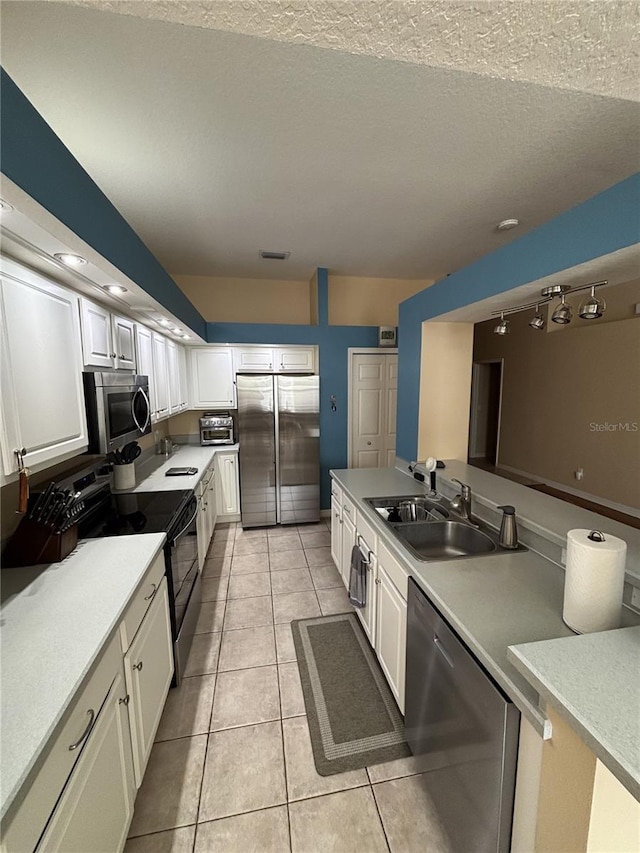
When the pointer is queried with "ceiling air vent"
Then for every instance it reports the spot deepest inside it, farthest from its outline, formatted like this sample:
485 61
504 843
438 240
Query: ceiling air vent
274 256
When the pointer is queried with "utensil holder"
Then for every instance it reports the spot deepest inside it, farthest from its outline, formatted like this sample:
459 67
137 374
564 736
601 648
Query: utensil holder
34 543
124 476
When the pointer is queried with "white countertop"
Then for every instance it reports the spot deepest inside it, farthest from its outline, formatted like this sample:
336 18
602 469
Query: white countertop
54 622
150 474
594 682
492 602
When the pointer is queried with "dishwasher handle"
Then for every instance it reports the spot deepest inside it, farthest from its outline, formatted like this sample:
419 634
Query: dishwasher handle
445 654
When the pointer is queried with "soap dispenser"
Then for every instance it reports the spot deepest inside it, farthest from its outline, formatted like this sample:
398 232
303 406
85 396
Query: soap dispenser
508 529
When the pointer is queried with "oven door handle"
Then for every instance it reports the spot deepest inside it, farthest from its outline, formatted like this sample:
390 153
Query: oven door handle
187 526
133 410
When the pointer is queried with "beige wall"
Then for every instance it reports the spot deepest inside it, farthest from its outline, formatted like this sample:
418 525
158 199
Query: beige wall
445 390
247 300
554 387
358 301
566 787
188 423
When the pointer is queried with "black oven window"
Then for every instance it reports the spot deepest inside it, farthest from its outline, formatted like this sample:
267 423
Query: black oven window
120 418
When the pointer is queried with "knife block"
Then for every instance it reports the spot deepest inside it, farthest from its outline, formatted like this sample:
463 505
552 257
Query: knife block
34 543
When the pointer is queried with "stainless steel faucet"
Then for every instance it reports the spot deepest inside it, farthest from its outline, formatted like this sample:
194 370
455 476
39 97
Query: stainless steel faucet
462 502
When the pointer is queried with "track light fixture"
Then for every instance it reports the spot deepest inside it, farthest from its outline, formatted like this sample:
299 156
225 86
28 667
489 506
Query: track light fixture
591 307
563 313
538 321
503 326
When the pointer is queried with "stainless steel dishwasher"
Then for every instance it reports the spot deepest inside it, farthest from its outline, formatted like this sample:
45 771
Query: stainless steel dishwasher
465 730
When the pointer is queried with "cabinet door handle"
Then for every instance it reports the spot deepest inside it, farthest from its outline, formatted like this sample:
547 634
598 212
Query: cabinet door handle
83 736
124 701
138 666
123 357
378 581
112 354
152 593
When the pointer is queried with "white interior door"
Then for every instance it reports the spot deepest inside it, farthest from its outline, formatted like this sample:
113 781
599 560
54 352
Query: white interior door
372 409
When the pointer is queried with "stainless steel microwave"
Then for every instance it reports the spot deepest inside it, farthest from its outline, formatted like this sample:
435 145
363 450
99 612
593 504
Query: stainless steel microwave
118 409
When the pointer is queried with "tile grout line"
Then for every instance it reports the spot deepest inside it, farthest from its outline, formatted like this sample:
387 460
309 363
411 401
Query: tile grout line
384 831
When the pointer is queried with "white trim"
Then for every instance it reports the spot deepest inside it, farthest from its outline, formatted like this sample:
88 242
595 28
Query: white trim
588 496
351 352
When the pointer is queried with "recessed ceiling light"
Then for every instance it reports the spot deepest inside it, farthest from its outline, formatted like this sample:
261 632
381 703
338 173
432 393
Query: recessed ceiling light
273 256
186 337
176 330
164 322
507 224
115 288
70 260
5 206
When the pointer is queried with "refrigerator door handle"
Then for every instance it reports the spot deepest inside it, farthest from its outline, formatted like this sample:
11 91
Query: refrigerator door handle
276 417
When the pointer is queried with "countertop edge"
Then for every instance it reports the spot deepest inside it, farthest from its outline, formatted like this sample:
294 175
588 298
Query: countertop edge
607 754
10 802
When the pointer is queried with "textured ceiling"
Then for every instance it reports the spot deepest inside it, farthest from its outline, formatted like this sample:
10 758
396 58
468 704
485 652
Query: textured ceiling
214 145
586 45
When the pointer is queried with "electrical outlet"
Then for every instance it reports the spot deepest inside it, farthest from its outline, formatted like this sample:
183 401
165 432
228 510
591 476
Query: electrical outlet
635 597
579 474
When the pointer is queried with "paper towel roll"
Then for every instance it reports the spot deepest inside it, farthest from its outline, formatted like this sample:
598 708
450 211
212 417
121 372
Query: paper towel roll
593 583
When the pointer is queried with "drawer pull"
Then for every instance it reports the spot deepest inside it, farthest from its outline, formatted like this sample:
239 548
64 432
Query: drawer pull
152 593
124 701
138 666
83 736
378 581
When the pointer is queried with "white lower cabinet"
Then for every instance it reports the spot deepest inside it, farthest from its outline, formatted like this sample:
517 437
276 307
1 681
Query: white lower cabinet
346 546
384 616
148 669
207 512
391 634
96 806
336 532
228 489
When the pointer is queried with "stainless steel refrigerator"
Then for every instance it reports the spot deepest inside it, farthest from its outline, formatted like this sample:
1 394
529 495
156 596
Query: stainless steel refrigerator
279 434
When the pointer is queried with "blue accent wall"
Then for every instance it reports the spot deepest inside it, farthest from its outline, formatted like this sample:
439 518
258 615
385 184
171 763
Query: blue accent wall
35 159
333 343
605 223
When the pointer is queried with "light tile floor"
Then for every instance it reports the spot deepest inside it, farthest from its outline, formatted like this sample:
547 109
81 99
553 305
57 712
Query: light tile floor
232 769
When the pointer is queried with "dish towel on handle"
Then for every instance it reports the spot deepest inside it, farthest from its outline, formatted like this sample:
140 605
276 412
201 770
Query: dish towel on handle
358 578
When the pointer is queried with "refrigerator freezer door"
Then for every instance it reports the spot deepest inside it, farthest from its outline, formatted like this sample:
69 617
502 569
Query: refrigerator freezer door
299 448
256 427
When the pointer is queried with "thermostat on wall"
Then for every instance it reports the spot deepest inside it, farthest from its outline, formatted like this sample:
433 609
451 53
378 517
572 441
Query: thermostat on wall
387 336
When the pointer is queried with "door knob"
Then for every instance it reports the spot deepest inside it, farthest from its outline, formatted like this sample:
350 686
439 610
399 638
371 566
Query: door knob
138 666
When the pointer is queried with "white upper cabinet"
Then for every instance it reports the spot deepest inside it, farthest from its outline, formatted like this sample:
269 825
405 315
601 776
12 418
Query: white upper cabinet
173 369
258 359
125 342
295 359
212 378
160 377
144 346
42 404
97 343
108 341
184 383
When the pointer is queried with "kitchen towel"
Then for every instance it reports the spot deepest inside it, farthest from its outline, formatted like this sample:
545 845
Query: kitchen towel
594 579
358 578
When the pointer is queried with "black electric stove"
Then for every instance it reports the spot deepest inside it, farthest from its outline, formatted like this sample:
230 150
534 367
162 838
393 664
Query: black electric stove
104 513
138 512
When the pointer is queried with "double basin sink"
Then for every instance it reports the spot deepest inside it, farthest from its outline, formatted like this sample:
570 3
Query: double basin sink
432 531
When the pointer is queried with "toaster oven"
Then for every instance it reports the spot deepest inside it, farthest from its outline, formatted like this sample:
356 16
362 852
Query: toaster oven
216 428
